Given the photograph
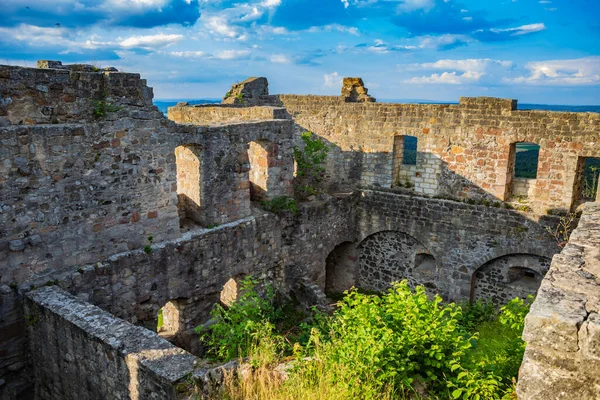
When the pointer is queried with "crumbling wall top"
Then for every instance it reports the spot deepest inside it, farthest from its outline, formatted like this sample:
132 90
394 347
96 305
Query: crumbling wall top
248 92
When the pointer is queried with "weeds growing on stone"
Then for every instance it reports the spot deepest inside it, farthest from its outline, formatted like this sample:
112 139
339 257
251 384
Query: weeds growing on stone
280 204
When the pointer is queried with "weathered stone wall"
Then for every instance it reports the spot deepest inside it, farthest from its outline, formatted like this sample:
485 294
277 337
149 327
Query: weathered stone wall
205 114
465 147
504 278
459 237
75 193
51 96
79 351
562 329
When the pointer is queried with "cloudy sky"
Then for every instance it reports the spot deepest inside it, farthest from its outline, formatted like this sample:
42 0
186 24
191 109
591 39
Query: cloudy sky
537 51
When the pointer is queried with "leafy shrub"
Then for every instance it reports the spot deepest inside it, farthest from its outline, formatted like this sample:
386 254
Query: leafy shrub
310 163
398 338
244 325
374 347
279 204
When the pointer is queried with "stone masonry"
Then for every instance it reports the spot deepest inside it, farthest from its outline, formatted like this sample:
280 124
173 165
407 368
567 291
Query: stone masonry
110 212
562 330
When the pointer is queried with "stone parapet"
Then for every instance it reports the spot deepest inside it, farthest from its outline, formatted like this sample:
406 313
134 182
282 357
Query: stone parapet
562 329
81 352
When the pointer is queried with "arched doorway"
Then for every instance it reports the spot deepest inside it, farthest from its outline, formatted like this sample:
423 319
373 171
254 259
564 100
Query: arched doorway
391 256
509 276
340 268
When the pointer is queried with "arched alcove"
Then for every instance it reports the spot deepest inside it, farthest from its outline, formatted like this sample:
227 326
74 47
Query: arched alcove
262 156
509 276
391 256
189 185
340 268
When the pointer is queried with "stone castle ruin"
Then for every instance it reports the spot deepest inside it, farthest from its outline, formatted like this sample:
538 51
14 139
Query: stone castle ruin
110 212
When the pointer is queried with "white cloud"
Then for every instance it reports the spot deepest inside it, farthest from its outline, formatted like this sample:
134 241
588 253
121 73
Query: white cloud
458 71
413 5
231 54
451 78
521 30
271 3
439 42
279 59
581 71
188 54
36 35
218 25
335 27
332 80
150 41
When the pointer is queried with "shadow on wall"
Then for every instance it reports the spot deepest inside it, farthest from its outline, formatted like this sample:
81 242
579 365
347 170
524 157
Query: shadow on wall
532 181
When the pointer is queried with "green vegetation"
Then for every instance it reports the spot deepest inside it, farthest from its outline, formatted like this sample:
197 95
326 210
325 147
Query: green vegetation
161 320
310 160
101 107
280 204
399 344
148 247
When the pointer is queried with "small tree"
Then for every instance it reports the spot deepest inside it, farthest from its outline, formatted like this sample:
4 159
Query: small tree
310 161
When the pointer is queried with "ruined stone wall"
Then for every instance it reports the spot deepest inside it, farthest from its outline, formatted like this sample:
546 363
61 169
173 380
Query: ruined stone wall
205 114
394 229
52 96
463 150
76 193
562 329
81 352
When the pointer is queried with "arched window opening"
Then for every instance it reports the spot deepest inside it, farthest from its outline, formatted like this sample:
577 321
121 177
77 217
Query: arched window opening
189 186
230 292
262 156
170 319
507 277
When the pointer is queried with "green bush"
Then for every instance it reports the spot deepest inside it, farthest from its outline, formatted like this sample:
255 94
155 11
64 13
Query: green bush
243 325
376 346
310 161
279 204
400 337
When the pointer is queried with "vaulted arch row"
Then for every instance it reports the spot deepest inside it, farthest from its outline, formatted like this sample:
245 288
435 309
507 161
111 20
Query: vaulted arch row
509 276
391 256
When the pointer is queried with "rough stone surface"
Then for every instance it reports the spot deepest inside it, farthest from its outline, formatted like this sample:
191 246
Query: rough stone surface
247 92
354 90
131 361
562 330
126 210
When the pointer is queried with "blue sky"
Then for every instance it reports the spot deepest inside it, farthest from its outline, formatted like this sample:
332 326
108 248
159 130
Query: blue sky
537 51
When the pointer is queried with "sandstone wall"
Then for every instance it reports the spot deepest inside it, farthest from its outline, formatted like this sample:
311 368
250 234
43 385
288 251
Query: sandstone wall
463 150
562 329
219 113
80 352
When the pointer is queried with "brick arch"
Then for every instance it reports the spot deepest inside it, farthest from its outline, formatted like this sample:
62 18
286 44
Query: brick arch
389 256
512 275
